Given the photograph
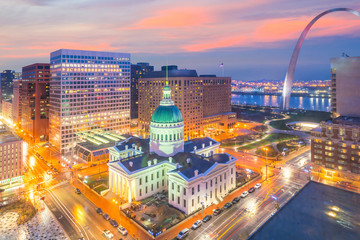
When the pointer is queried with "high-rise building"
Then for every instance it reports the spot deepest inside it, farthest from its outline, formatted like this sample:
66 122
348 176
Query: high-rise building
345 85
7 77
34 102
11 162
204 100
88 90
335 144
6 107
16 101
137 71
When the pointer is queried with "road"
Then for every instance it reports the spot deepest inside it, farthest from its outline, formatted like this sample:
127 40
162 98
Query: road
80 212
243 218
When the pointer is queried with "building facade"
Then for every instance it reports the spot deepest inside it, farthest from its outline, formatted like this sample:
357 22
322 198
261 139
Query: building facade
11 162
197 97
7 77
17 102
193 173
335 145
137 71
345 85
34 101
7 108
88 90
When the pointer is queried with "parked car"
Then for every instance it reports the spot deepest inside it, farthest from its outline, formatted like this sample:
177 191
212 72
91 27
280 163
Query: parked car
217 211
258 185
99 211
113 223
106 216
228 205
183 234
251 190
77 191
196 224
108 234
207 218
122 230
244 194
235 200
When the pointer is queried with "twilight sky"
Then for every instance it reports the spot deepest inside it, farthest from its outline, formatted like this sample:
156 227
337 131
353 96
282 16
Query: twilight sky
253 38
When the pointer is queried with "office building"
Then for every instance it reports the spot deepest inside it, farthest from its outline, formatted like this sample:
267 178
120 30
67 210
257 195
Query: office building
204 100
137 71
7 78
7 108
345 85
34 102
88 90
194 173
17 102
11 162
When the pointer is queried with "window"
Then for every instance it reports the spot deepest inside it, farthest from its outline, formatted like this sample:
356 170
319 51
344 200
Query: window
206 185
157 184
192 191
157 174
152 177
178 188
146 179
215 180
198 187
224 176
140 193
192 202
184 203
342 131
178 200
232 170
163 182
172 186
172 197
220 188
140 181
198 199
231 180
210 194
220 178
152 187
224 186
163 172
184 191
146 189
211 183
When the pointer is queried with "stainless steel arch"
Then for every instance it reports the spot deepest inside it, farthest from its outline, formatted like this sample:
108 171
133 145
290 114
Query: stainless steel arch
291 69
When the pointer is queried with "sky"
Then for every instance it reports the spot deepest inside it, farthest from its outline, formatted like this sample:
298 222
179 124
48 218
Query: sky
254 39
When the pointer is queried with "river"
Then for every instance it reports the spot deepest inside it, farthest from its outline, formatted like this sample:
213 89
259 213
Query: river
308 103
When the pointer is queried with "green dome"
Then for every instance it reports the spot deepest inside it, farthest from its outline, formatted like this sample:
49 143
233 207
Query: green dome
166 114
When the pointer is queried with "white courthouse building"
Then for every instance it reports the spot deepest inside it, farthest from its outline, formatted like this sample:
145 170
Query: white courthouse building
193 173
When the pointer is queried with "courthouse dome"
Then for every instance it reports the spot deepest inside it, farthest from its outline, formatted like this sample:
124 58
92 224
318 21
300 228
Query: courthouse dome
166 114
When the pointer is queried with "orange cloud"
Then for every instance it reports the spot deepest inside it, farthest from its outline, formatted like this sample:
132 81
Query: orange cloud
174 18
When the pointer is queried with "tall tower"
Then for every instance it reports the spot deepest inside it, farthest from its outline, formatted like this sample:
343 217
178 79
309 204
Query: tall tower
166 127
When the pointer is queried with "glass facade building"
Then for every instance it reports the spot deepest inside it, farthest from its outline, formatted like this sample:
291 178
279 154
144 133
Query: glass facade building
88 90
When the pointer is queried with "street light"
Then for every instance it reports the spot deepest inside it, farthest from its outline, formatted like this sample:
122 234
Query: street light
266 152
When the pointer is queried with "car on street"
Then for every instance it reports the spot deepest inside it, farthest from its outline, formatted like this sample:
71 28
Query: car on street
244 194
107 234
217 211
207 218
183 234
122 230
99 211
228 205
258 185
106 216
77 191
251 190
235 200
113 223
196 224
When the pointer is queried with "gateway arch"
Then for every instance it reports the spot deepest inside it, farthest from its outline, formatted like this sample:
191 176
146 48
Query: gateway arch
291 69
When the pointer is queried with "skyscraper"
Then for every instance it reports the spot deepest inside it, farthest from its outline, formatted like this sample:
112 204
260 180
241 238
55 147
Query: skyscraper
204 100
345 85
137 71
7 78
17 101
34 102
88 90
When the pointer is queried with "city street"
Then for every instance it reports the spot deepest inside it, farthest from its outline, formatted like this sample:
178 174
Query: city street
251 212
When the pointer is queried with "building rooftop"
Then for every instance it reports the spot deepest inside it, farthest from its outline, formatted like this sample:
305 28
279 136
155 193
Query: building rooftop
202 164
198 142
138 142
345 120
171 73
317 211
7 136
